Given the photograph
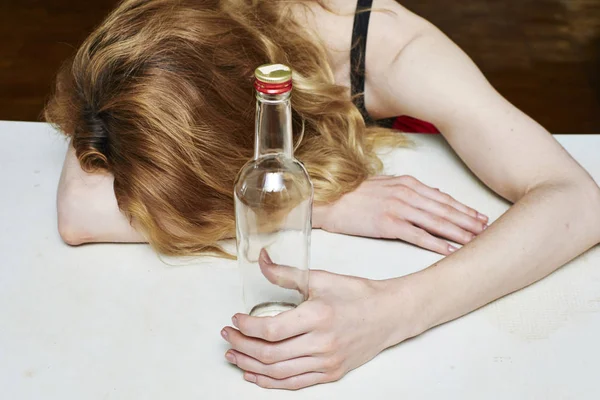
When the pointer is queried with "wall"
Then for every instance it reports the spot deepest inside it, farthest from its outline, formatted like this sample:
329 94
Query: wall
543 55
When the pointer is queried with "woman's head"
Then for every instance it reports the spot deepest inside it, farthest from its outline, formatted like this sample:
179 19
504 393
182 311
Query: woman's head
161 96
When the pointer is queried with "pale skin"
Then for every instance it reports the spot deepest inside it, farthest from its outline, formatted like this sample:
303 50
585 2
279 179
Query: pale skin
412 69
402 208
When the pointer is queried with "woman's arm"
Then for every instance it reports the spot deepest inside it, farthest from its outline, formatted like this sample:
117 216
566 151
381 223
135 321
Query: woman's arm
87 207
557 212
556 217
88 211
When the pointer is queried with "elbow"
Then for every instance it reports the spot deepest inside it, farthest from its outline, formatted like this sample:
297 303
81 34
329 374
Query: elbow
69 225
588 205
590 194
583 201
69 234
594 199
595 195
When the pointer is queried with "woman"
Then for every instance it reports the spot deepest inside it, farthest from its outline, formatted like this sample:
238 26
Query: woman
159 99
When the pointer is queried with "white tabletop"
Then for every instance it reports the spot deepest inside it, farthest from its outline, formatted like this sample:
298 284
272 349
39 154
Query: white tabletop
117 322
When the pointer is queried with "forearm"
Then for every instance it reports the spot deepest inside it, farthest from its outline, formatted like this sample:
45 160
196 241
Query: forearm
87 209
85 215
544 230
319 212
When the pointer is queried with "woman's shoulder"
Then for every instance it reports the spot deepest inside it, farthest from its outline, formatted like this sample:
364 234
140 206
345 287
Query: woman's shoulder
391 28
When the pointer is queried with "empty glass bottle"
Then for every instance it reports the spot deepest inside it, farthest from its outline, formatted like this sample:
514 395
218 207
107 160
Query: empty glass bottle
273 201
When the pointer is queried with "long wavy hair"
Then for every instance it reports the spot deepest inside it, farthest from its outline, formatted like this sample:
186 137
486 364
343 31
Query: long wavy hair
161 96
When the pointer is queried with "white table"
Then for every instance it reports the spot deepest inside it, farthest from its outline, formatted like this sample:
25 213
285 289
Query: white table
116 322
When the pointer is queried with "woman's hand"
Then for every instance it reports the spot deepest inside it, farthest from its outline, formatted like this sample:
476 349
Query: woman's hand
344 323
402 208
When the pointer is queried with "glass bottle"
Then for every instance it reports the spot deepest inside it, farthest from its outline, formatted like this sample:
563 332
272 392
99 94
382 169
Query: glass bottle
273 201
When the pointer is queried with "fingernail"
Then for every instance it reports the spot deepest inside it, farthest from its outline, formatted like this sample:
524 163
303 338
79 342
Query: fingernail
230 357
485 227
250 377
234 321
482 217
224 334
451 248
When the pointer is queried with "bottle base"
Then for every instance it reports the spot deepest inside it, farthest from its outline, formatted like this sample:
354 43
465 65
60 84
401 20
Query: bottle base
271 309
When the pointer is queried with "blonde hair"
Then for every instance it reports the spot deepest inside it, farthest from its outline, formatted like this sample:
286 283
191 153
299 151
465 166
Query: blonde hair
161 96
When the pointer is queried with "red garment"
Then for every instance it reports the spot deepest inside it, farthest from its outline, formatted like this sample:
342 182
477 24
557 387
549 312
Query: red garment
412 125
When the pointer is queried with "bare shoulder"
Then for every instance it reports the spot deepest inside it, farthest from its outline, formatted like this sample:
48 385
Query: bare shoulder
332 28
391 28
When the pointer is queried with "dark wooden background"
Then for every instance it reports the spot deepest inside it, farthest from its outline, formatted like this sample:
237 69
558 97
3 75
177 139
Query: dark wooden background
543 55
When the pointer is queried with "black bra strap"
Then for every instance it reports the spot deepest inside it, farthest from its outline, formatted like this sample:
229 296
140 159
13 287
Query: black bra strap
358 55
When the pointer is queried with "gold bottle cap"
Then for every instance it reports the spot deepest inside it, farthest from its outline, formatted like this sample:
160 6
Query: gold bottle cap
273 73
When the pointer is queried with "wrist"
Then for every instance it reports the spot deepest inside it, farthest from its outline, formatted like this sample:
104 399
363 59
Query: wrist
407 302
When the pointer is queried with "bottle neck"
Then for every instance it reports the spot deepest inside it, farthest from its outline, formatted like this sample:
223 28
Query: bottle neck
273 125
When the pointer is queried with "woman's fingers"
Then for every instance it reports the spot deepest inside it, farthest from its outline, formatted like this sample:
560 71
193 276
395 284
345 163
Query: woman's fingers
281 275
439 196
274 329
445 198
280 370
419 237
292 383
447 212
267 352
440 226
